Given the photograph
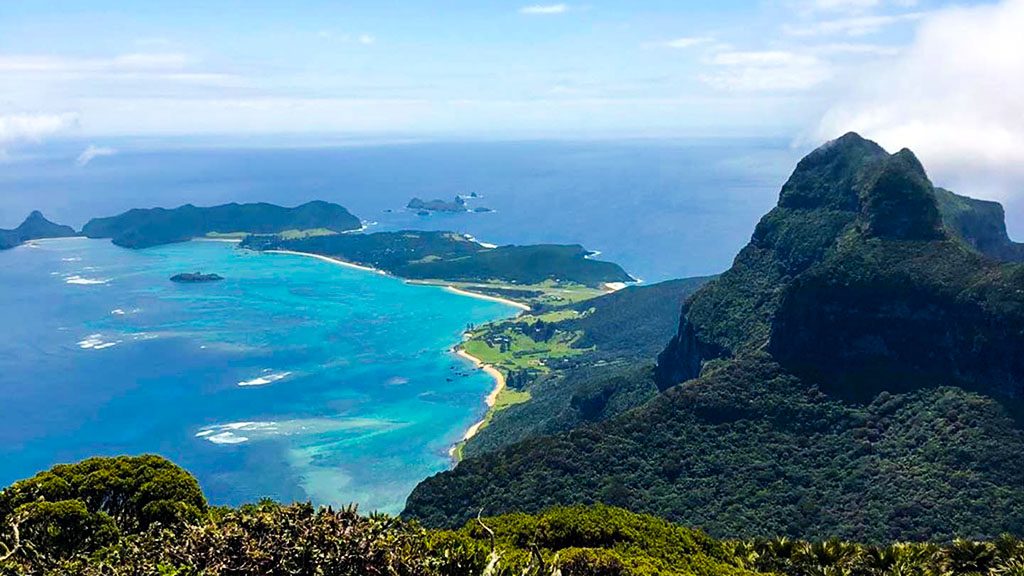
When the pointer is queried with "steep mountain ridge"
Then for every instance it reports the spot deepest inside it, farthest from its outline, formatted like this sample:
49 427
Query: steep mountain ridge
35 227
851 202
980 223
856 373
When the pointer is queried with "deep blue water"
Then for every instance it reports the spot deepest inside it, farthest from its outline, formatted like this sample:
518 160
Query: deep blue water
662 209
293 378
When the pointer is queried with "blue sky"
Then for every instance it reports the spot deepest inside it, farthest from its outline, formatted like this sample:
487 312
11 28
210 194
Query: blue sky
444 66
941 77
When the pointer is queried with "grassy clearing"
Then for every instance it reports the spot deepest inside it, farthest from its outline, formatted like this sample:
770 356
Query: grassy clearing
286 235
540 297
311 233
227 235
505 347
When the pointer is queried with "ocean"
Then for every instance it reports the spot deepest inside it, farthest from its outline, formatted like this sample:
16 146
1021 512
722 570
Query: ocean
295 378
661 208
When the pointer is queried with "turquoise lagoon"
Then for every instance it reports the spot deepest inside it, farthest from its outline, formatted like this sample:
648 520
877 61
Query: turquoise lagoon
293 378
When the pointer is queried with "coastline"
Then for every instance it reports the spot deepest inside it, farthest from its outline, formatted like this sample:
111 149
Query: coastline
499 379
328 259
447 287
490 400
479 296
228 240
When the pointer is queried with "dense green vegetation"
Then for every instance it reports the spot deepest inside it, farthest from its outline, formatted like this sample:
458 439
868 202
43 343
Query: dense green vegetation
145 517
142 228
980 223
856 373
580 362
750 450
35 227
454 257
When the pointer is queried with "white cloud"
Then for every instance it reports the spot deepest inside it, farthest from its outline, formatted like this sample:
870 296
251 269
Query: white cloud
850 6
687 42
123 63
33 127
91 152
955 96
544 9
758 58
857 49
853 25
766 71
846 5
346 38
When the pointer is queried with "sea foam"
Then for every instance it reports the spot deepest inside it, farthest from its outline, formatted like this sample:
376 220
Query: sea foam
96 342
232 433
268 377
82 281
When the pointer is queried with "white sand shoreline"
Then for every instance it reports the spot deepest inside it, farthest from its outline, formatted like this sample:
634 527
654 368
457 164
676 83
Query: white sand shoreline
337 261
447 287
490 400
479 296
228 240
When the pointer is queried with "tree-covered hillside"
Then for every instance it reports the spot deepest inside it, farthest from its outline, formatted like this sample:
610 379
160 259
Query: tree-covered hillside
856 373
455 257
35 227
143 228
96 518
980 223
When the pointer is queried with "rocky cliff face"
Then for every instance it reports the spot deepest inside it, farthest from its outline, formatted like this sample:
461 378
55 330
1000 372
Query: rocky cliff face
980 223
858 280
817 204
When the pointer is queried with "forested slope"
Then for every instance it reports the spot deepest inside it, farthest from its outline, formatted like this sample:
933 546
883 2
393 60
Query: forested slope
856 373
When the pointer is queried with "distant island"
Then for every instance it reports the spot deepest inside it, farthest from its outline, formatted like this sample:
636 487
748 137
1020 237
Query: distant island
195 278
458 204
35 227
143 228
536 276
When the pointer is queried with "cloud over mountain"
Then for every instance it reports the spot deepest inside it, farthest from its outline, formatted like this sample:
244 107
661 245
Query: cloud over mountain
956 96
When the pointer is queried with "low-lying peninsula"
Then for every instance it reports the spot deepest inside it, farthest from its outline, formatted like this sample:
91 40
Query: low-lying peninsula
517 272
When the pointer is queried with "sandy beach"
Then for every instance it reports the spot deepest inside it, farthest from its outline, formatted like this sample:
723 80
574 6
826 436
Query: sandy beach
328 259
452 289
491 400
228 240
477 295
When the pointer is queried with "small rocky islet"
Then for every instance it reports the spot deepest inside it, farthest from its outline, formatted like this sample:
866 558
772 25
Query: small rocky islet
195 278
